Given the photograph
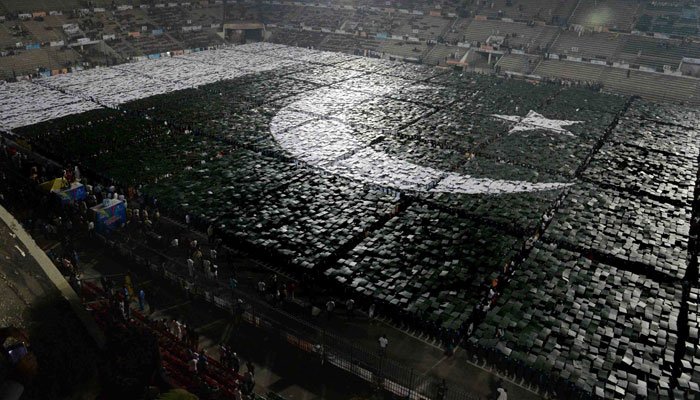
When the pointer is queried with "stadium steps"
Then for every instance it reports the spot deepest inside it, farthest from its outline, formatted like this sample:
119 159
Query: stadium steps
402 49
26 62
571 70
617 14
440 52
458 30
657 53
652 86
64 58
520 63
595 45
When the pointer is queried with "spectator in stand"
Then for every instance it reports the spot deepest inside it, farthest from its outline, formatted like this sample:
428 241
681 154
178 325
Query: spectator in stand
128 284
250 367
105 284
171 326
235 361
350 305
182 331
206 264
192 364
91 229
248 383
203 361
210 234
190 267
197 256
142 300
292 289
383 343
127 308
330 306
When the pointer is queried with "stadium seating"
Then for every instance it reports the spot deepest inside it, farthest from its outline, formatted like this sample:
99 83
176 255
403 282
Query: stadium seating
672 19
657 53
521 23
26 62
403 49
519 63
439 54
570 70
520 36
308 39
43 31
618 14
349 44
173 350
603 46
199 39
456 32
550 11
652 86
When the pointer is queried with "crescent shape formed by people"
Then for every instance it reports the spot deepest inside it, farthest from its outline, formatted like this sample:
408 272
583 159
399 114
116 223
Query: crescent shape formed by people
314 130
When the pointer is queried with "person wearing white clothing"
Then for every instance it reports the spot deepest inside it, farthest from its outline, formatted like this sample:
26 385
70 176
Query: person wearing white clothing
502 394
383 343
192 364
177 329
207 268
190 267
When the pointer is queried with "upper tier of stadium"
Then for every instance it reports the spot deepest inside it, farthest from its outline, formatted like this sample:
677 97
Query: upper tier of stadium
627 47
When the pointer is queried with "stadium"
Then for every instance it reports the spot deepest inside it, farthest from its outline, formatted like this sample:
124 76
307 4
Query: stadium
271 200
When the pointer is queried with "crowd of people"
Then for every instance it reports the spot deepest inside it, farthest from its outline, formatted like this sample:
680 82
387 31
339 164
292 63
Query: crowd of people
206 260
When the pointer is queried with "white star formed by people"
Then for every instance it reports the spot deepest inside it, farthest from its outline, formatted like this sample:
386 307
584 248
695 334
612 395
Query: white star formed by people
534 120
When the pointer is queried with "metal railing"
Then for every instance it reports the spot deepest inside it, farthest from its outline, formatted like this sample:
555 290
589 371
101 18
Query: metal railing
373 367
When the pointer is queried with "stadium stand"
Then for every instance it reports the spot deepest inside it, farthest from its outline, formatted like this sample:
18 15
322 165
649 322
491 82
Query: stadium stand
456 31
47 59
617 15
667 18
403 49
424 27
652 86
349 44
199 39
439 54
175 352
169 18
366 28
656 53
517 35
152 44
603 46
569 70
549 11
297 38
46 30
520 63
